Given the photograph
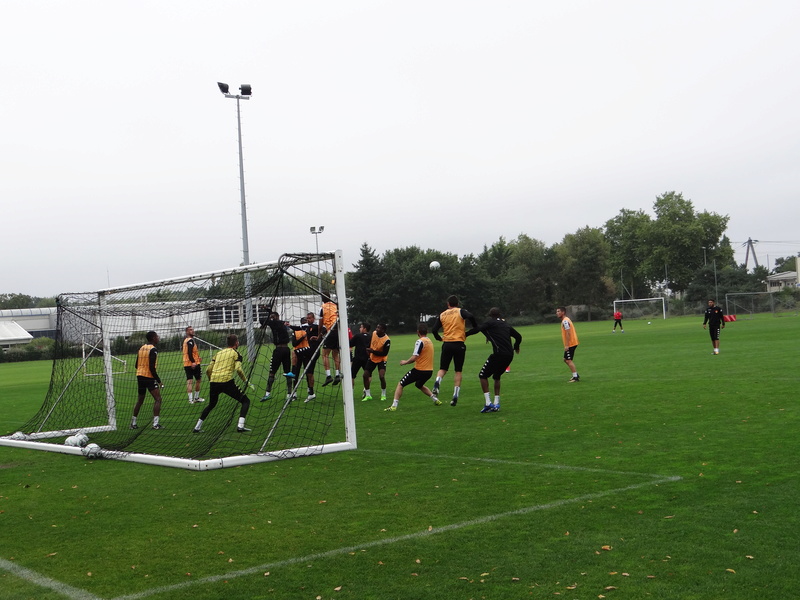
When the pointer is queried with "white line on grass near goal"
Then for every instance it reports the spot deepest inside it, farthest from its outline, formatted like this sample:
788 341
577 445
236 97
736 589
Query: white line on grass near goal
517 462
387 541
45 582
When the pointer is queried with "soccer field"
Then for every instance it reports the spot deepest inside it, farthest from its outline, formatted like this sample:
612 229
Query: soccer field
667 472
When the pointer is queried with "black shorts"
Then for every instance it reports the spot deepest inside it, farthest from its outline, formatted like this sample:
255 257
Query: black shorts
357 364
146 383
307 359
416 377
495 366
455 352
281 356
570 354
713 330
194 372
371 365
332 341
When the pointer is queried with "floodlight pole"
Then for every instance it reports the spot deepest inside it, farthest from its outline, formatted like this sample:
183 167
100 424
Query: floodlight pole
317 231
245 90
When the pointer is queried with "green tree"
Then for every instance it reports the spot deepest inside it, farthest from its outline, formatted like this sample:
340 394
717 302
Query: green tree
628 235
677 238
583 259
8 301
785 263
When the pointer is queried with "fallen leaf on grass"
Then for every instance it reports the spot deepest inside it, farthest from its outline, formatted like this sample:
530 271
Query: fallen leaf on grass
52 554
730 571
337 589
750 557
606 547
609 588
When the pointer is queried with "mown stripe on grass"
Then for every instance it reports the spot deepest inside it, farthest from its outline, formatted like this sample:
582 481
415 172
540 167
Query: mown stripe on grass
394 540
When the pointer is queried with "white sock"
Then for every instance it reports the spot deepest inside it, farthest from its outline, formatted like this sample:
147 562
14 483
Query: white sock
133 420
155 421
199 424
337 373
487 398
395 403
241 422
456 391
196 395
497 400
327 372
191 396
383 393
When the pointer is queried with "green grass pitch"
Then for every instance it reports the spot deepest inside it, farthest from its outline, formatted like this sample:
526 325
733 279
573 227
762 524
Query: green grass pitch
667 472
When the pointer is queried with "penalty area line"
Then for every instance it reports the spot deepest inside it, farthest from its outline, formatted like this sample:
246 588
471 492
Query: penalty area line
392 540
35 578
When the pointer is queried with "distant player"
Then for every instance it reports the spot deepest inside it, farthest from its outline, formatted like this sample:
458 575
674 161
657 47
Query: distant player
192 366
147 379
220 374
499 334
422 359
378 350
715 318
453 324
617 321
570 339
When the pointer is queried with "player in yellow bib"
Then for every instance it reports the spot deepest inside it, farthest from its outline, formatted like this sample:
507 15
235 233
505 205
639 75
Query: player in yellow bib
220 374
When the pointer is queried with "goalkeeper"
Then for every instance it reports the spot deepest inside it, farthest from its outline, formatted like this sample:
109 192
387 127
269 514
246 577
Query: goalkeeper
220 373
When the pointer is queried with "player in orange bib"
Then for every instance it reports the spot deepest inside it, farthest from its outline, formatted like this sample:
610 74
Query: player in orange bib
422 359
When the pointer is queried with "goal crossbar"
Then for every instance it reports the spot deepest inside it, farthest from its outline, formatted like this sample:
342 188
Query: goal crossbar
637 302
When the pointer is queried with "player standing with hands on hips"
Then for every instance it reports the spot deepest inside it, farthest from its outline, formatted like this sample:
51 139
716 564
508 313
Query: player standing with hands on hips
714 318
570 338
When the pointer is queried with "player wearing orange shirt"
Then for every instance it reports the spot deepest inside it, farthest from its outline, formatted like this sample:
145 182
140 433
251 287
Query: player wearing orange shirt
570 339
422 358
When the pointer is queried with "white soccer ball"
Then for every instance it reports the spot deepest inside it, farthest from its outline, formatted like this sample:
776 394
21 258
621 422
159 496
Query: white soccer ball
434 265
648 322
79 439
92 451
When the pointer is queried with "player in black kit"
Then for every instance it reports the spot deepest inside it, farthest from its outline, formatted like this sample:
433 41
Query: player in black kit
714 318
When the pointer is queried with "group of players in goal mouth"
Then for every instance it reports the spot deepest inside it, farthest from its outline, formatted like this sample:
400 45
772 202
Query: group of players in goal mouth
370 353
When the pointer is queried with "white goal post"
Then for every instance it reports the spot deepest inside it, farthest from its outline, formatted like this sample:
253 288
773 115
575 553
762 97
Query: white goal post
102 333
636 308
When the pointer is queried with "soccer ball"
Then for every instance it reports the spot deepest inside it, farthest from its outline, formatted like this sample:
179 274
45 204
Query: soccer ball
79 439
648 322
434 265
92 451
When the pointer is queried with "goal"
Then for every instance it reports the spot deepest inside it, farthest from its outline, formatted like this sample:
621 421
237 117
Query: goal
642 308
748 304
93 385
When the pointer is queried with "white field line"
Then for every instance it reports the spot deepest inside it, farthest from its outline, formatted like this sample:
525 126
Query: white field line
45 582
78 594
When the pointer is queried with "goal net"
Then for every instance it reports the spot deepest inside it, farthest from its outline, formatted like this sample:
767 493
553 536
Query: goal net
642 308
745 305
93 386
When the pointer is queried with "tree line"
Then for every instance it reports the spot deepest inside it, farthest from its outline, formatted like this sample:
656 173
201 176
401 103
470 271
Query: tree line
680 253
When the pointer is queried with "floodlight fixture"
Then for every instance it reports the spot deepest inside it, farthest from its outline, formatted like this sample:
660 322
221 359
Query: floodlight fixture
223 87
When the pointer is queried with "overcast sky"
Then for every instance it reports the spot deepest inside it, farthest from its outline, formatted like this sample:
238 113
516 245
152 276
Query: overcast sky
439 123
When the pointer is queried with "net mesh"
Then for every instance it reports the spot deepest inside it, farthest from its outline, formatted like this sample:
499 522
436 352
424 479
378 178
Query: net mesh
94 386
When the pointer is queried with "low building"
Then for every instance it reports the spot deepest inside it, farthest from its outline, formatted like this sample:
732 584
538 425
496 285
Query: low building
778 281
